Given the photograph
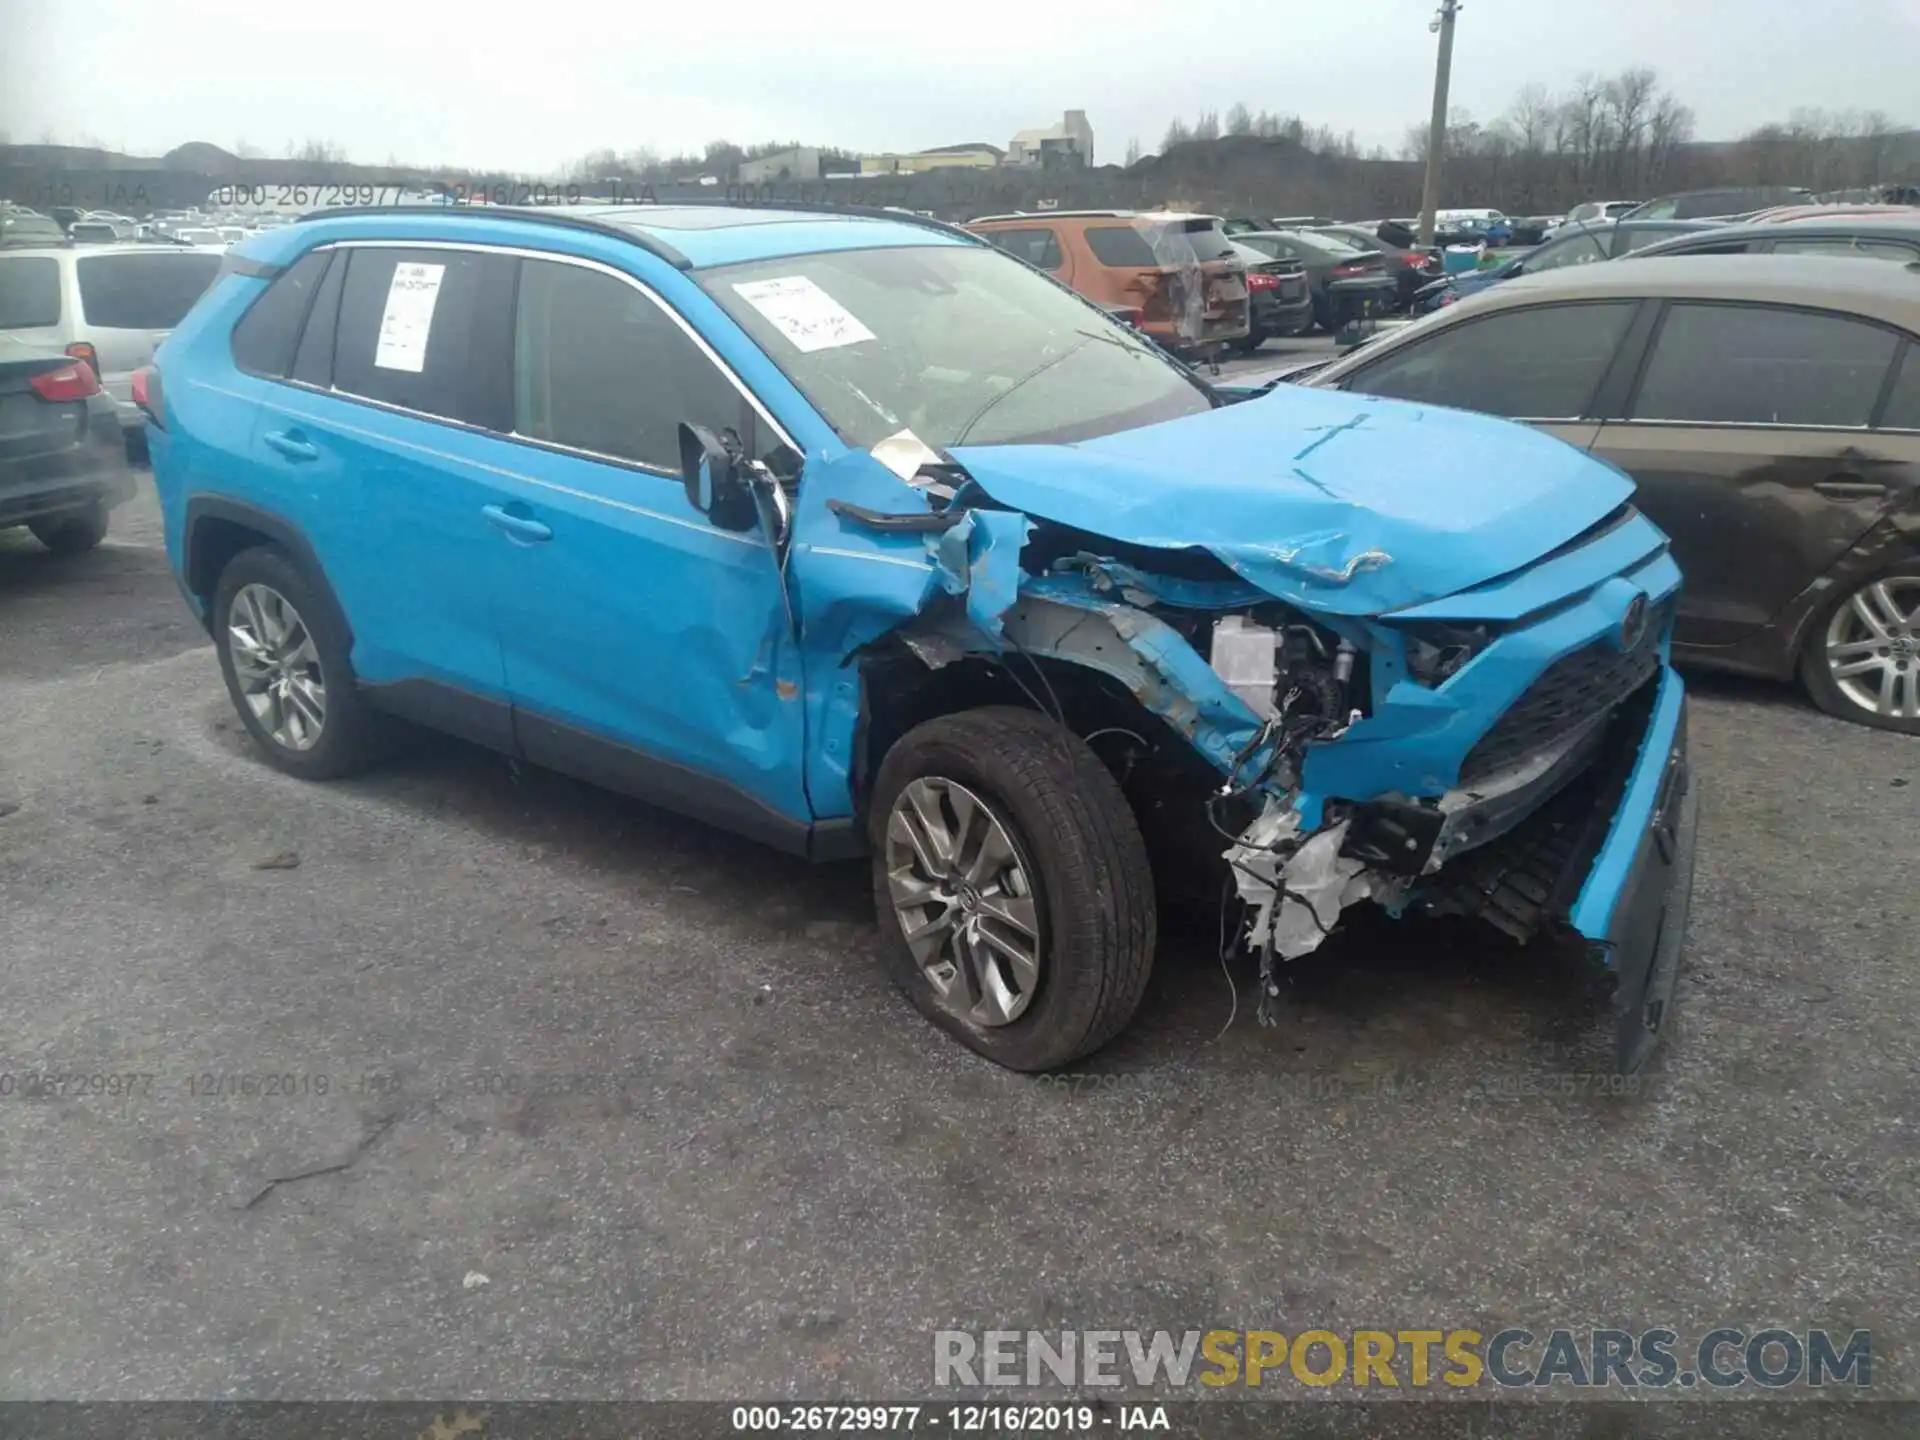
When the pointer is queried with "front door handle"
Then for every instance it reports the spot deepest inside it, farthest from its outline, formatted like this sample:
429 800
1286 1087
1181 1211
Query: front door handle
1848 486
521 529
291 444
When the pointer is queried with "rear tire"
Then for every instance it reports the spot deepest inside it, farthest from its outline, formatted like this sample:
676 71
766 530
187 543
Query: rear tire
277 603
1074 856
74 533
1858 642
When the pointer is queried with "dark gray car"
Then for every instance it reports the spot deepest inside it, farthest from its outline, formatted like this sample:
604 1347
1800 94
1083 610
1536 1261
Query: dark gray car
62 466
1348 284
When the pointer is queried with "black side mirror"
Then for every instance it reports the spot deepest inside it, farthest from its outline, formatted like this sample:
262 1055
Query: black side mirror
710 469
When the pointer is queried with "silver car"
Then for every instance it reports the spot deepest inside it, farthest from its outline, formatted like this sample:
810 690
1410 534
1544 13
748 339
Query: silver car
110 305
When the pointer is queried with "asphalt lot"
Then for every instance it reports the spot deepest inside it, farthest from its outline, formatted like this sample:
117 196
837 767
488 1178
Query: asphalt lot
650 1082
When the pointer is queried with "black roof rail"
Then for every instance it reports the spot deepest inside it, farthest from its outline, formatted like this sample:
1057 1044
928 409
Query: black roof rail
601 225
544 214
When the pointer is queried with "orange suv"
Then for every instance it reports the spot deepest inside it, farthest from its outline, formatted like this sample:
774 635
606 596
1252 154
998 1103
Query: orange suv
1175 276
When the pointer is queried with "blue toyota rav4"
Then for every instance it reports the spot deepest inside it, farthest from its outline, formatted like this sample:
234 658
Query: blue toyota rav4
856 535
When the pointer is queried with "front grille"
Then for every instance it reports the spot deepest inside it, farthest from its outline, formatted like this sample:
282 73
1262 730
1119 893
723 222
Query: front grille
1573 691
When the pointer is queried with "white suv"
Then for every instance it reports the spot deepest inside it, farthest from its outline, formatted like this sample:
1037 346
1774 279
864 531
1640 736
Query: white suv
110 305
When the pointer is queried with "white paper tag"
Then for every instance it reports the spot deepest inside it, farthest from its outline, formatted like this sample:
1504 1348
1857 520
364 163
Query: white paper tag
804 313
408 319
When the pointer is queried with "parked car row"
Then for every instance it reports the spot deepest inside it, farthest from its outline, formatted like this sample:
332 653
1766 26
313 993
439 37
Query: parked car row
1768 410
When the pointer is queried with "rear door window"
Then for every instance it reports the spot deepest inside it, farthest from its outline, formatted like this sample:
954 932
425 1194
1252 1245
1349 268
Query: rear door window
428 330
1037 247
264 340
1764 365
29 292
1542 363
142 292
600 366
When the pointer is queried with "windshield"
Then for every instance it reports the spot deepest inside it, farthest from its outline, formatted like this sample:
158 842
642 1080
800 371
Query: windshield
959 344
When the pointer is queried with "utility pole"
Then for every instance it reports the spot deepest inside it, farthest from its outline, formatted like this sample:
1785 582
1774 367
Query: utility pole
1437 131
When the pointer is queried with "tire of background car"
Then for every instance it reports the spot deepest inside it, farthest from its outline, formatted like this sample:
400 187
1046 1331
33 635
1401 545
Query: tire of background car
1073 851
1841 636
352 734
72 533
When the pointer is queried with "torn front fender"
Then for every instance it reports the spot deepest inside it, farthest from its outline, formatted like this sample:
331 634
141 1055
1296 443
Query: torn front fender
853 580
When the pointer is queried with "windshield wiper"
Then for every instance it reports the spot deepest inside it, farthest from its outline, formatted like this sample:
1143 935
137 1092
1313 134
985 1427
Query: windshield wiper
1038 370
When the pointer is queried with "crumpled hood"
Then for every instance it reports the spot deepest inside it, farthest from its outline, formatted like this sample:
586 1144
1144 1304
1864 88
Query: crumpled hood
1336 502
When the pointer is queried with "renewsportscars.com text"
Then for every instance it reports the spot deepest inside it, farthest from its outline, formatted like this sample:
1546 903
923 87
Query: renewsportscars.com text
1720 1358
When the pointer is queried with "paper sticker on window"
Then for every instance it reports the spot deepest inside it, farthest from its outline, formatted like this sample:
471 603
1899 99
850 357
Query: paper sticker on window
408 319
804 313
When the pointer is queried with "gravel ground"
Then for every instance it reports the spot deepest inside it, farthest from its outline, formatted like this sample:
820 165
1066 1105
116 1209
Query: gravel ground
650 1082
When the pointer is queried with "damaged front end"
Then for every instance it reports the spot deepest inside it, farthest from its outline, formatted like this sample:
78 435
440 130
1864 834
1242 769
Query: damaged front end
1513 750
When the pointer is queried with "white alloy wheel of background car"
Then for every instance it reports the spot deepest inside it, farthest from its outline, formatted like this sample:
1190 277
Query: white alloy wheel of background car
1861 659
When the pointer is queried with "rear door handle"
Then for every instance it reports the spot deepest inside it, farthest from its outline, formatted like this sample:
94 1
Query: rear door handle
1849 487
291 444
519 528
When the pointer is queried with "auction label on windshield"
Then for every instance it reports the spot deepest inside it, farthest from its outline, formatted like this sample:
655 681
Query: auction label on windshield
408 318
804 313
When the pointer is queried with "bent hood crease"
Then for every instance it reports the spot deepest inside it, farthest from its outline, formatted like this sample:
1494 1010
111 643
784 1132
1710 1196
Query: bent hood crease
1332 501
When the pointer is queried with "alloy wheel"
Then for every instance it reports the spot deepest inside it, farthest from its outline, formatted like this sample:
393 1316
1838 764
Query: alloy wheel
1873 648
965 902
276 666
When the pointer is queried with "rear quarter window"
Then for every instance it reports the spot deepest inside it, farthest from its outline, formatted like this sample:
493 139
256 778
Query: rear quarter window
142 292
1120 246
29 292
264 340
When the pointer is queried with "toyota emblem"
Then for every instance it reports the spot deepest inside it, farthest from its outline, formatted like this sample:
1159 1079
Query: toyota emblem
1633 624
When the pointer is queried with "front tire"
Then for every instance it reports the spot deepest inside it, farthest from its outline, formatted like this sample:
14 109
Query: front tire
74 533
1016 904
1861 659
284 658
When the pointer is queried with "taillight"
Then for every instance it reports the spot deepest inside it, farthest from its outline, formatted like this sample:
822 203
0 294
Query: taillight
70 382
1346 272
146 393
1413 260
1259 280
80 350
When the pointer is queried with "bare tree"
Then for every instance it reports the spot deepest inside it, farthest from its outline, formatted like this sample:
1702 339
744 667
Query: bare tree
1177 134
1877 129
1628 98
1133 151
1239 120
1207 127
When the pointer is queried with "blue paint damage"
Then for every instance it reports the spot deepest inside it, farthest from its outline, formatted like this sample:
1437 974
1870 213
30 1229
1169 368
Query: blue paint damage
1370 519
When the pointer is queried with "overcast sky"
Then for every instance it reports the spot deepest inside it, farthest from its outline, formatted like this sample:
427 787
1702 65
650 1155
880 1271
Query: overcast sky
431 82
